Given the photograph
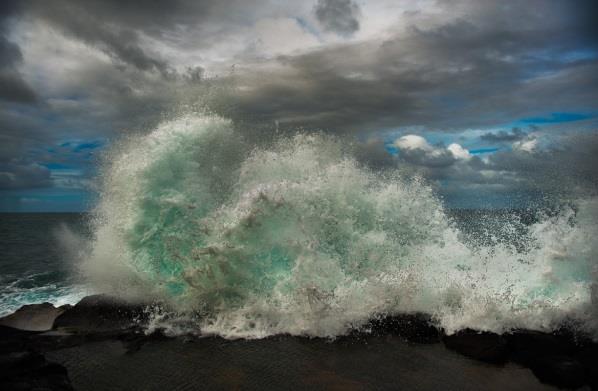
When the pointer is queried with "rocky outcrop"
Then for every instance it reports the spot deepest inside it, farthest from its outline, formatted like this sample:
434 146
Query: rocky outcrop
34 317
101 313
23 368
33 330
555 358
483 346
562 359
27 370
417 327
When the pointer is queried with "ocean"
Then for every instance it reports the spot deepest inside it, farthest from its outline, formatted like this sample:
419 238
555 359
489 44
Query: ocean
33 266
297 237
36 267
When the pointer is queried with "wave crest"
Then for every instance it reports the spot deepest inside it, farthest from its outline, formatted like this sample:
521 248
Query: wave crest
299 238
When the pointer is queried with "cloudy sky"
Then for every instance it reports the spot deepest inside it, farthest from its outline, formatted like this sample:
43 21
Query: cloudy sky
495 102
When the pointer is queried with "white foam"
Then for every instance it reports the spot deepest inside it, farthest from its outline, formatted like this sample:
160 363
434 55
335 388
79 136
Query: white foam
298 238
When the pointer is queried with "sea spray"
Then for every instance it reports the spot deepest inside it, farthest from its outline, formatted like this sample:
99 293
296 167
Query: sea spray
298 237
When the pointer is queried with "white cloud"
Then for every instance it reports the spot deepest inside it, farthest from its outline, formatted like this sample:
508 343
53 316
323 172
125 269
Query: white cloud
416 149
458 151
412 141
526 145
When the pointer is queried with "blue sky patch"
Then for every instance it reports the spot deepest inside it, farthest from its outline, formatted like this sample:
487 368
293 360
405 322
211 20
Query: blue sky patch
555 118
479 151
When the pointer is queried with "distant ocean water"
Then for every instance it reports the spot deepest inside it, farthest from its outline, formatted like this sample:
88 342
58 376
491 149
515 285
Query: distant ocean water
33 266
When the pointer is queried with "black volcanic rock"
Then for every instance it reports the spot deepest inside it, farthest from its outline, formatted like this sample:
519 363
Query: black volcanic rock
564 358
588 356
14 362
556 359
34 317
416 327
483 346
27 370
527 345
101 313
558 370
12 339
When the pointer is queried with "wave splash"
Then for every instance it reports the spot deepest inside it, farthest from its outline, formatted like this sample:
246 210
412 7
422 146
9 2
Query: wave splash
299 238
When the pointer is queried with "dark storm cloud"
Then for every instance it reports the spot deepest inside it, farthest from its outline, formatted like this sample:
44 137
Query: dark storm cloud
564 169
19 175
21 143
337 90
91 23
503 136
494 62
12 86
501 62
373 154
586 12
468 64
438 158
17 130
338 16
570 164
115 27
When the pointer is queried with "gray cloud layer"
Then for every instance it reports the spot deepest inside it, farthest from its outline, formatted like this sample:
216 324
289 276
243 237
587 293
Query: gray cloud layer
468 64
12 86
503 136
467 73
339 16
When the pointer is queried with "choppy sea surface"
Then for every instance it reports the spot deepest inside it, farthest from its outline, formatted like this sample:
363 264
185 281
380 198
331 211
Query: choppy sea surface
33 265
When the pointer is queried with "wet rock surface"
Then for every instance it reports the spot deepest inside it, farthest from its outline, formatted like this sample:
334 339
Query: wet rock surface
34 317
561 359
24 368
488 347
27 370
416 327
104 337
101 313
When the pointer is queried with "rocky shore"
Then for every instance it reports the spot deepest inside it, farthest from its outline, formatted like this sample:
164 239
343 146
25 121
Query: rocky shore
102 343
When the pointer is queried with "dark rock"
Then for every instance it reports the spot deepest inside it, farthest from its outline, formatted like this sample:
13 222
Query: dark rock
588 356
34 317
12 339
412 327
101 313
132 342
563 358
553 357
27 370
561 371
14 363
7 332
527 344
484 346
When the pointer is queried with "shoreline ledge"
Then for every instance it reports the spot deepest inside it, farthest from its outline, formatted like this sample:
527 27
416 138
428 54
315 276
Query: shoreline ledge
34 336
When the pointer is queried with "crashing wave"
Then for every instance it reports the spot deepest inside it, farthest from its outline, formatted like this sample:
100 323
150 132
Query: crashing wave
299 238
